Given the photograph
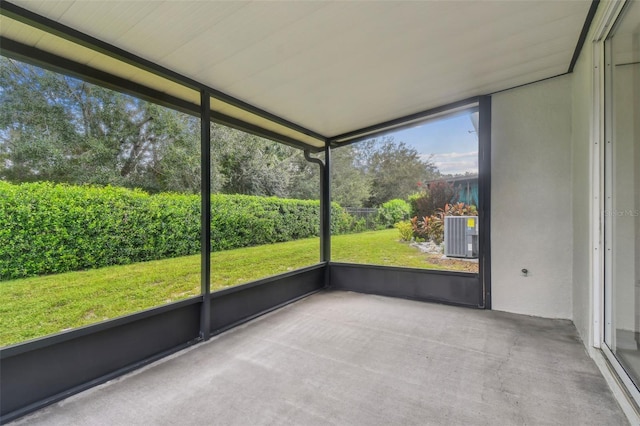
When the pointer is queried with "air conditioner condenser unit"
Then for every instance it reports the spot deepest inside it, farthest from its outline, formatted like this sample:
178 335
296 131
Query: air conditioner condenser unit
461 236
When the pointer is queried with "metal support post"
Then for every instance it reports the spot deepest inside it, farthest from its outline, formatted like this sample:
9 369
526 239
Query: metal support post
205 214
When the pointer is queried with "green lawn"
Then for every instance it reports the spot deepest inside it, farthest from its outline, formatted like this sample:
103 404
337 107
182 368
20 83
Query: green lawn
34 307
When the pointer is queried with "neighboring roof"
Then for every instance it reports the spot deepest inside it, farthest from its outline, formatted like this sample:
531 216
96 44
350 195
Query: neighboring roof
455 179
312 71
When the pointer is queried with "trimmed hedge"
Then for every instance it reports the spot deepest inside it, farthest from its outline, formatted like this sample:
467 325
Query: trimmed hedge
50 228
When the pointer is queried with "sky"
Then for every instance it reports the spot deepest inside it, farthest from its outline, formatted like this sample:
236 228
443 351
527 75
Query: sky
451 140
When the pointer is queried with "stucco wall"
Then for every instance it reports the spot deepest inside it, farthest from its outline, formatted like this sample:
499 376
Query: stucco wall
531 199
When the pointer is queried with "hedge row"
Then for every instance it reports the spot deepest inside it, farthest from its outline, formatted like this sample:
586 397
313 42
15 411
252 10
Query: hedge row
51 228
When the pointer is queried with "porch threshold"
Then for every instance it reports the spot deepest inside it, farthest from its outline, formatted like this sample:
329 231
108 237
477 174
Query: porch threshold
338 357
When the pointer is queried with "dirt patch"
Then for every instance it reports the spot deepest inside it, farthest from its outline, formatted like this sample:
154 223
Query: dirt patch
452 264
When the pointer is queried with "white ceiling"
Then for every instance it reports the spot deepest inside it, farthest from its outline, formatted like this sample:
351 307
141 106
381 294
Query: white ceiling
334 67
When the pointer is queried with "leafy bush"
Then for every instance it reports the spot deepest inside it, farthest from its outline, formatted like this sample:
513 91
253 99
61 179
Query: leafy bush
432 227
429 228
51 228
441 193
341 221
427 202
393 211
406 230
459 209
414 200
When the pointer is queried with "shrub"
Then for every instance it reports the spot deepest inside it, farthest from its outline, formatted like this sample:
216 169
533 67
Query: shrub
432 227
459 209
428 228
343 222
393 211
441 193
414 200
51 228
427 202
405 229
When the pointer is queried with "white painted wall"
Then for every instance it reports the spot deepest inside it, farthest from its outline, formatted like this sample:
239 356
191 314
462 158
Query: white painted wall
531 199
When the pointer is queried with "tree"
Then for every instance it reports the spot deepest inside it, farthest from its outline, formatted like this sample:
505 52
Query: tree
304 183
36 130
396 170
179 169
58 128
350 184
61 129
248 164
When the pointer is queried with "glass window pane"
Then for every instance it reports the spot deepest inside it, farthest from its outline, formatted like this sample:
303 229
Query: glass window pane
623 216
410 198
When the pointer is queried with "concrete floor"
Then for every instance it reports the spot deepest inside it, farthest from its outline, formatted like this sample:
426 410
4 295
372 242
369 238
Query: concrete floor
351 359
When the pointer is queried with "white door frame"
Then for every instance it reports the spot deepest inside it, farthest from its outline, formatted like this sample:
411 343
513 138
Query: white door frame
601 185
